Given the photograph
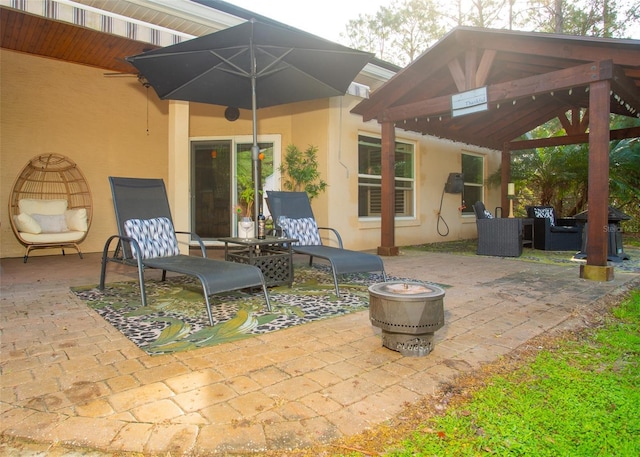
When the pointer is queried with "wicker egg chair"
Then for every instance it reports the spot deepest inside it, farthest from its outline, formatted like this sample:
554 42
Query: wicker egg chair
50 184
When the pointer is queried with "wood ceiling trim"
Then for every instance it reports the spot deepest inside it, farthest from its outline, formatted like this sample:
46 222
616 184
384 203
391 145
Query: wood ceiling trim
32 34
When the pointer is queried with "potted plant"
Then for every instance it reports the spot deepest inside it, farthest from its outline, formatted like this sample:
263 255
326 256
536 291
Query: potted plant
245 205
299 171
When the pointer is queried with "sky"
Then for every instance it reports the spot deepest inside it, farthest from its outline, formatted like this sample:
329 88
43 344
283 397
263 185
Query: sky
325 18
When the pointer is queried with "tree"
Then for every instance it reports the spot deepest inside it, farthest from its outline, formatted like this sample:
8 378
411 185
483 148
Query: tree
402 31
372 33
477 13
559 176
398 33
582 17
417 27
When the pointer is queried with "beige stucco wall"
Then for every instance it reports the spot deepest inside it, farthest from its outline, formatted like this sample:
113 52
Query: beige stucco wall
435 159
101 123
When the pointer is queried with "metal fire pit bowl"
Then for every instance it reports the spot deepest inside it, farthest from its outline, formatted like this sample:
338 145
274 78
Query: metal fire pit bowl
408 313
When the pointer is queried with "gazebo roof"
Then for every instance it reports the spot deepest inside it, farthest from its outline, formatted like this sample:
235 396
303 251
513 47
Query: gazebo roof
529 77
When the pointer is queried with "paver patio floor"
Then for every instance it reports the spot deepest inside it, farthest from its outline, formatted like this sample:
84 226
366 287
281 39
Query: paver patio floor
68 377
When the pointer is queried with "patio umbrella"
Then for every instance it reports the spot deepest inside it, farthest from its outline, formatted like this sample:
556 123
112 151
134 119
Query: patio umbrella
252 65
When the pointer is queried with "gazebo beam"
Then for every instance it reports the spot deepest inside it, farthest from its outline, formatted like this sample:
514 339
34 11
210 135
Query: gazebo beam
567 78
582 138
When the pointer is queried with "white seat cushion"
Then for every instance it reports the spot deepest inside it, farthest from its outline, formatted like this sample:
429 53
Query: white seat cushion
77 219
26 224
52 238
41 206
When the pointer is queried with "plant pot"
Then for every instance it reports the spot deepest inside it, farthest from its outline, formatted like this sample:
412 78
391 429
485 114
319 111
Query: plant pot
248 230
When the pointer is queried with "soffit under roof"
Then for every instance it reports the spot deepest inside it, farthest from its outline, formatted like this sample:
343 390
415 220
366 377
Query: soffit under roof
182 15
531 78
36 34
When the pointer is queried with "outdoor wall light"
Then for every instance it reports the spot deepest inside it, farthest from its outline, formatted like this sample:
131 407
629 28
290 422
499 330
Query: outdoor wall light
231 114
511 195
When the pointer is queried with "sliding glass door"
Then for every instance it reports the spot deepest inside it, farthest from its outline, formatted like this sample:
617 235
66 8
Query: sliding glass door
211 181
221 181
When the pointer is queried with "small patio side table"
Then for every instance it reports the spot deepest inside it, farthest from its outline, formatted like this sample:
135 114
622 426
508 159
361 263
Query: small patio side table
272 255
527 232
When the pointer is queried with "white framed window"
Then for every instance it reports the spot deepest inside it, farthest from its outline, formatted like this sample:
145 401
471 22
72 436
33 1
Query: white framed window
473 169
370 177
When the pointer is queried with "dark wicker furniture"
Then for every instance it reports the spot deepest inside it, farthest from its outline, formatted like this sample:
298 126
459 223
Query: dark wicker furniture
497 236
551 233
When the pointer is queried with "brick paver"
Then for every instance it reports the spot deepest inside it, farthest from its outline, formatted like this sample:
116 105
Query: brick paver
68 377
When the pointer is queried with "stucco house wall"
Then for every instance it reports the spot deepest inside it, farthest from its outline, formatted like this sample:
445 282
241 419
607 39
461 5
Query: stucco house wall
100 123
115 126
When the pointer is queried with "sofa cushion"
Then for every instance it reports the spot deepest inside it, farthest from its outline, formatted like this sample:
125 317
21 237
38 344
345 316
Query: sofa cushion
40 206
77 219
26 224
53 238
51 223
305 230
545 212
155 237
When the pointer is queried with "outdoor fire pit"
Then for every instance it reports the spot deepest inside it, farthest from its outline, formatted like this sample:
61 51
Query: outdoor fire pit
408 313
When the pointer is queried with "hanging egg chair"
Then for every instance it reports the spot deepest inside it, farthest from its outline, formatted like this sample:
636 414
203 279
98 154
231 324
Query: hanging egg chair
50 204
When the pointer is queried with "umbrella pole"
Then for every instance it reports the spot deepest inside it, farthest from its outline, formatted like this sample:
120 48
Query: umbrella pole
255 152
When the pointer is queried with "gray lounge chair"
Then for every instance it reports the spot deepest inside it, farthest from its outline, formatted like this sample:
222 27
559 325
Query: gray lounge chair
142 208
295 206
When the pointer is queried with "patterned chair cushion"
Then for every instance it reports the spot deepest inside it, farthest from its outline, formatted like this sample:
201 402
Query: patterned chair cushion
155 237
304 229
545 212
487 214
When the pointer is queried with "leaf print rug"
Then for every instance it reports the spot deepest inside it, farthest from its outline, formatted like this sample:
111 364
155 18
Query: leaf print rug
175 318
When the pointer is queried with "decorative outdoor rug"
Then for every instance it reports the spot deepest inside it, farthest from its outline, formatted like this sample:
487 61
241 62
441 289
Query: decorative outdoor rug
176 317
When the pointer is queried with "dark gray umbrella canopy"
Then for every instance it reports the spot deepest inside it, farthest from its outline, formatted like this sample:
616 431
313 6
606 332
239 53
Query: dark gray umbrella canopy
252 65
291 66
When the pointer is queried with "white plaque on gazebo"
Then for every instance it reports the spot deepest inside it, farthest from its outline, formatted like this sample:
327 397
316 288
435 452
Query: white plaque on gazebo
469 102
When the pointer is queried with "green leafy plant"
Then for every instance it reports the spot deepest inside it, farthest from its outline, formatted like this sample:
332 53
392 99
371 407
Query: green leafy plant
300 171
245 195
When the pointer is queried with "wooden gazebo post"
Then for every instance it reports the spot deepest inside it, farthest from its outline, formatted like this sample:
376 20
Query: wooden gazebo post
505 177
597 219
387 238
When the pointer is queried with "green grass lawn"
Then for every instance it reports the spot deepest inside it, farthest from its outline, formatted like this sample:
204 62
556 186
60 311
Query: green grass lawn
581 398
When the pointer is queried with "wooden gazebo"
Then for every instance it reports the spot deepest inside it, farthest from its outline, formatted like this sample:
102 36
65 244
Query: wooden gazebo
489 87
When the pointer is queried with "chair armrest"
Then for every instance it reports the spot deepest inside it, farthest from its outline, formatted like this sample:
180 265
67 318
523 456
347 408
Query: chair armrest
335 232
541 224
567 221
197 238
498 223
